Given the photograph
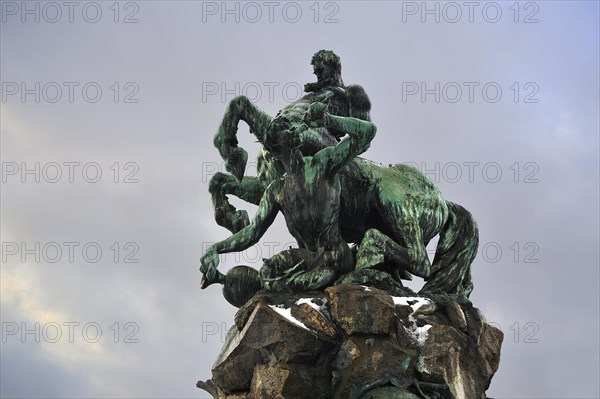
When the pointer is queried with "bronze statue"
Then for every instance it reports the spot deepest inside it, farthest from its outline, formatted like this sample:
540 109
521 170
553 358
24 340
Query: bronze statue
347 101
390 212
308 195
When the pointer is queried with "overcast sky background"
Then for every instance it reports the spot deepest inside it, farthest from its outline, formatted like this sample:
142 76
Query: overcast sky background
524 161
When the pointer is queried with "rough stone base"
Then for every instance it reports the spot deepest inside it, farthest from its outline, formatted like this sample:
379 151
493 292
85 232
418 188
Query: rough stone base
354 342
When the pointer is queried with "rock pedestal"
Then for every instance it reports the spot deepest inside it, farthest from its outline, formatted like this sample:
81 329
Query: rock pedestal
354 342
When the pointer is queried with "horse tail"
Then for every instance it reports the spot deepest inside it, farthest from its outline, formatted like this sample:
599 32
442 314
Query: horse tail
456 250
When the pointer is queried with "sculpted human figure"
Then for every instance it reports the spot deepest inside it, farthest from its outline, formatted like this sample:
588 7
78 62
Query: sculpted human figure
349 101
308 195
391 212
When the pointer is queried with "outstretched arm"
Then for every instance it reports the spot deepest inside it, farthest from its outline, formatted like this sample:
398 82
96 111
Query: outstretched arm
249 235
360 134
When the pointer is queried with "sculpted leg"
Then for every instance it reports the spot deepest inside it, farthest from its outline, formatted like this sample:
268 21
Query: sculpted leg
376 249
411 257
454 280
296 270
371 251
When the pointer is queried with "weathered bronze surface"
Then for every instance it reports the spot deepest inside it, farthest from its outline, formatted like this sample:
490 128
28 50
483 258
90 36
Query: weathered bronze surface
310 171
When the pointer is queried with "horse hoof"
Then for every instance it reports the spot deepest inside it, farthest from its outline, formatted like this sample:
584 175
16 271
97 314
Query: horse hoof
369 257
371 251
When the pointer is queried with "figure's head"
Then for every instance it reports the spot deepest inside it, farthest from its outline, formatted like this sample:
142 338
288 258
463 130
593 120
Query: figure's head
281 137
328 69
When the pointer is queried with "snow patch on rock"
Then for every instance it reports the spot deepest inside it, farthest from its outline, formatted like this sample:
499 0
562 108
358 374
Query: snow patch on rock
420 334
287 313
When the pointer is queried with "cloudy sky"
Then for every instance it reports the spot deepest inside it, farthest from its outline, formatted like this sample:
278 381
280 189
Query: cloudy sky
108 111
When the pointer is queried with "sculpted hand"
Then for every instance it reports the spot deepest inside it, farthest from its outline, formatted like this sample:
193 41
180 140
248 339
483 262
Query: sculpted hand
236 162
326 95
209 263
316 115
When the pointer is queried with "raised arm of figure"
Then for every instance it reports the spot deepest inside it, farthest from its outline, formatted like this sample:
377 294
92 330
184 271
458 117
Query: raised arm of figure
360 134
246 237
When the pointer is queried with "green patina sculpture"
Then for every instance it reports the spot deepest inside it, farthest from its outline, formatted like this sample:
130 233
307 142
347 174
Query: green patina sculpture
330 197
308 195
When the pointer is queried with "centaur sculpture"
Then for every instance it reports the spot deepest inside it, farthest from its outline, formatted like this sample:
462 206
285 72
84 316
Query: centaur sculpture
390 212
